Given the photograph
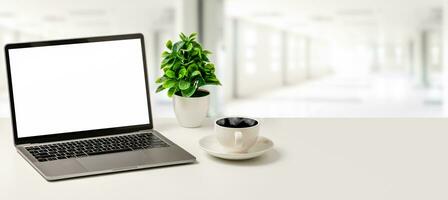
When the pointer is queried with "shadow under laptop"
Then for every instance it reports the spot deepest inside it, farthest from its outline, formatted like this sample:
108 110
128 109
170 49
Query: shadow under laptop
123 172
268 158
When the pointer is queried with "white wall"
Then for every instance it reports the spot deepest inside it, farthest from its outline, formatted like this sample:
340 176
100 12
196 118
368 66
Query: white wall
259 50
445 57
297 60
320 64
2 65
6 36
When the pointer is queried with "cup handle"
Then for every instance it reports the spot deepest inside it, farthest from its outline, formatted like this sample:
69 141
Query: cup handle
238 139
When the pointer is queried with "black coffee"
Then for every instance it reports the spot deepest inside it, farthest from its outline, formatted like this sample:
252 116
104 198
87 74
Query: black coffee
236 122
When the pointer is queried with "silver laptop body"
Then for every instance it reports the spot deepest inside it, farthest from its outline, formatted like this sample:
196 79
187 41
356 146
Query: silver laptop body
108 128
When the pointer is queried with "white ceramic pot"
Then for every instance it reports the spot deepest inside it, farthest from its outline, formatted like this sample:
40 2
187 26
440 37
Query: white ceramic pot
191 111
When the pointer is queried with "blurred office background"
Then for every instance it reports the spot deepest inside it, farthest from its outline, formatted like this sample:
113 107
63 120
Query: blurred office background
283 58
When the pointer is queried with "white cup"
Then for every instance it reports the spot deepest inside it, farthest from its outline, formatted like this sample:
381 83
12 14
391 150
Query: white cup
237 134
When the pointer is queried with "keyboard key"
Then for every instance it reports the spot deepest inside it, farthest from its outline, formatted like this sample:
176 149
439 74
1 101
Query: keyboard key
111 151
96 146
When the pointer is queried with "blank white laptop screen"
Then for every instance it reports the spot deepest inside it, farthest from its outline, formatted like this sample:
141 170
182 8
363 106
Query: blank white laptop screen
78 87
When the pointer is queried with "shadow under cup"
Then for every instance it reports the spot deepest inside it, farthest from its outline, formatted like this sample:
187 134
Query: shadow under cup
237 134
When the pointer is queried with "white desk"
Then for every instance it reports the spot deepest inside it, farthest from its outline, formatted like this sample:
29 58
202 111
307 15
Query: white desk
327 159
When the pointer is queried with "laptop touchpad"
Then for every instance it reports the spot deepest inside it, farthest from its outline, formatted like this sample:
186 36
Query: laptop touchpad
114 161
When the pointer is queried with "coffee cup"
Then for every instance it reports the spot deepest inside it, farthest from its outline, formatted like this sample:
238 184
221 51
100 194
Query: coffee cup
237 134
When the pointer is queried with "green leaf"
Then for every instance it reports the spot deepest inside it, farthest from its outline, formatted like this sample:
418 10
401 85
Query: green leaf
197 49
190 47
183 37
182 73
213 83
212 80
176 66
166 68
169 44
200 82
209 67
177 46
161 79
189 63
170 74
181 57
189 91
206 52
196 44
193 35
165 62
165 54
169 83
194 53
183 84
160 88
196 73
193 67
198 52
171 91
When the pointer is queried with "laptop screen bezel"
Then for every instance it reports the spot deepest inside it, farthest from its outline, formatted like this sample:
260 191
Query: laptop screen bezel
51 137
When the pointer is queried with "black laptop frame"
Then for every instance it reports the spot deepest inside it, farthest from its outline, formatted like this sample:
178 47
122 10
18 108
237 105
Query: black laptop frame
51 137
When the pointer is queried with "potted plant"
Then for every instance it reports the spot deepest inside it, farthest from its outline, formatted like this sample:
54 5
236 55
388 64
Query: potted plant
186 68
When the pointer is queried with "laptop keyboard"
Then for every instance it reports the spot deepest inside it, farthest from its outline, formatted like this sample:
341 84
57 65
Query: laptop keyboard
97 146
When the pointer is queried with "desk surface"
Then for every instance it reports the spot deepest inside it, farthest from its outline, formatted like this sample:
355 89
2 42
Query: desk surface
343 159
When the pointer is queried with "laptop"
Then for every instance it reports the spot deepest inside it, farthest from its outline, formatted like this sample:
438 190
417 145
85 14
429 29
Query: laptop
81 107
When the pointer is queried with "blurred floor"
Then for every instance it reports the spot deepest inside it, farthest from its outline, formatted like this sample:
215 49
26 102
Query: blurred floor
379 95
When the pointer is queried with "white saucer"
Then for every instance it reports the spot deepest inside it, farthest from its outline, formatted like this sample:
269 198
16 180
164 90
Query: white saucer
211 145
